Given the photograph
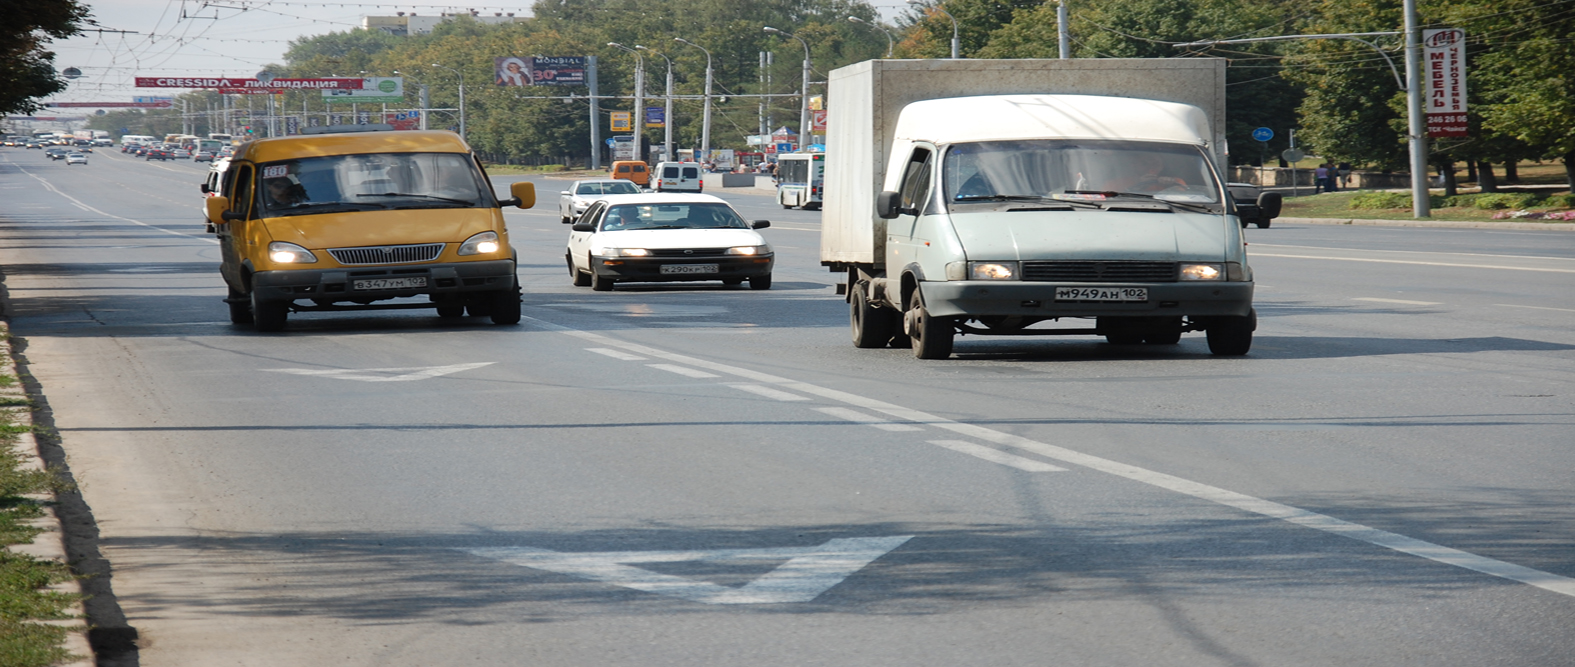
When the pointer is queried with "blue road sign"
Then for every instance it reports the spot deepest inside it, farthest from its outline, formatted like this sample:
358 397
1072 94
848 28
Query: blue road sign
1262 134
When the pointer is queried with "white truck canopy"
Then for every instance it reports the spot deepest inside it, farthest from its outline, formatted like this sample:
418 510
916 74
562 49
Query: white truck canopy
1009 117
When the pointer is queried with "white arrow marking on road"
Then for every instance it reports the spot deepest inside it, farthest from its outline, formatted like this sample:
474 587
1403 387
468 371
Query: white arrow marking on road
808 572
382 374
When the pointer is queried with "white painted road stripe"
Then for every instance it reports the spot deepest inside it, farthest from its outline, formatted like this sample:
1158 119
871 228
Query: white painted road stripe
1401 261
1442 554
1511 305
382 374
1400 301
686 372
616 354
767 392
1413 252
871 420
83 206
997 456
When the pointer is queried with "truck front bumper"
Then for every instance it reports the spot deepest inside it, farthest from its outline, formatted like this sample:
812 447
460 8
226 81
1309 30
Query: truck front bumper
973 298
341 284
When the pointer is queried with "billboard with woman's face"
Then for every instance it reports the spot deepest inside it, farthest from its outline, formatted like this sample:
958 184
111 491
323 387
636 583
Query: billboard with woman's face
540 71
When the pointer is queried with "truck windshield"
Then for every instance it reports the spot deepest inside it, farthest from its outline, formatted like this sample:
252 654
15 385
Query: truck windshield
1078 170
372 181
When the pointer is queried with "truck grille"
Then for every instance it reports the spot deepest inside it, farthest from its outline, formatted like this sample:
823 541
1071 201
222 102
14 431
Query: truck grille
688 252
1100 272
392 254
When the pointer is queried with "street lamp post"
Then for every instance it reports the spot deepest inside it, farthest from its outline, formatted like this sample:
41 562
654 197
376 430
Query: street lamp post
883 31
803 111
942 10
667 108
637 122
461 97
705 124
424 98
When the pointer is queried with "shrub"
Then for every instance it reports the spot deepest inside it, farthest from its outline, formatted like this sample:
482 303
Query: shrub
1379 200
1566 200
1504 200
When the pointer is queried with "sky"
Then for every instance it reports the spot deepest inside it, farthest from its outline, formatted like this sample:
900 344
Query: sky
230 38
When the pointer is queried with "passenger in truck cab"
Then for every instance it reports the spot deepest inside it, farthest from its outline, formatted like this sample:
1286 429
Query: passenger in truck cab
1149 175
284 191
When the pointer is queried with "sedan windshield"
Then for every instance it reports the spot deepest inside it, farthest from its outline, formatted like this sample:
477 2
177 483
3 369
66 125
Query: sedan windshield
372 181
672 216
614 188
1077 170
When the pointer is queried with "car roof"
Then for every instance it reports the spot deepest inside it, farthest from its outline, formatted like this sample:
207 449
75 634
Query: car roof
319 145
664 198
602 180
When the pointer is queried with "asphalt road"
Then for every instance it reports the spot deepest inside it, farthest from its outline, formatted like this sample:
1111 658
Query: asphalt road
701 475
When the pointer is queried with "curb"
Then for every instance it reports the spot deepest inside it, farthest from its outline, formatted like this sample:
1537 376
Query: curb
50 544
1446 224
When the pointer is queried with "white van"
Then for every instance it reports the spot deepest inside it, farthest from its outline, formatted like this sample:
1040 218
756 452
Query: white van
677 177
801 180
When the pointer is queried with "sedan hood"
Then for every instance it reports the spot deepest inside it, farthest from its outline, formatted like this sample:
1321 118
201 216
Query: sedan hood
677 238
1027 235
379 228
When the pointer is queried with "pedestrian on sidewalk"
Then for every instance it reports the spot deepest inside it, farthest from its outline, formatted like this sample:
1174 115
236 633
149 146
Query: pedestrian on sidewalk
1321 178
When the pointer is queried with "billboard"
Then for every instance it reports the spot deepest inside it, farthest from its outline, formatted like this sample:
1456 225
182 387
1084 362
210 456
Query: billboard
223 82
539 71
113 105
655 117
621 121
1444 66
373 90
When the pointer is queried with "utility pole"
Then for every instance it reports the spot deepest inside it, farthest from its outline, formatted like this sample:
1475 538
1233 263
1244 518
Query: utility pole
1421 199
667 108
955 30
596 112
461 76
883 31
638 117
1063 33
705 125
803 111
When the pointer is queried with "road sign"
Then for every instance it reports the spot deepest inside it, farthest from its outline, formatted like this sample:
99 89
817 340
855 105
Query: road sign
1293 155
1262 134
655 117
621 121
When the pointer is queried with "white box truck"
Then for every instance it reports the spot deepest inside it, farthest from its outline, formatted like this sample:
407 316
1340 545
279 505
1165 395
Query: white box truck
986 197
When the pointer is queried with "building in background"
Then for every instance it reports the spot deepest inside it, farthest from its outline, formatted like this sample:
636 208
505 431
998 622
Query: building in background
405 25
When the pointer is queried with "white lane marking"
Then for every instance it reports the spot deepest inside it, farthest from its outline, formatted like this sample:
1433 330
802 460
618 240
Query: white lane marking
1400 301
767 392
382 374
1401 261
808 572
1413 252
997 456
1394 541
1511 305
616 354
78 202
871 420
687 372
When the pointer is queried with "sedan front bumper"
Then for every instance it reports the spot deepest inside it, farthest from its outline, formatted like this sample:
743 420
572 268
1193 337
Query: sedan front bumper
649 269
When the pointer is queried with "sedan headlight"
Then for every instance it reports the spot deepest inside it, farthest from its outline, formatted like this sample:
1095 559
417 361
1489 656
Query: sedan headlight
749 250
290 253
992 270
1202 272
484 243
626 252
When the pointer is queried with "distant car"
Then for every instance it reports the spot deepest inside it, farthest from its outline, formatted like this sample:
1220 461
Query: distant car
55 153
84 149
678 177
202 156
573 201
180 154
158 154
75 158
227 151
667 237
102 141
35 144
1253 205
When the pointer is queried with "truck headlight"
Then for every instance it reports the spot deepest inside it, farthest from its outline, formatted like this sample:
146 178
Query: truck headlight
626 252
1202 272
749 250
484 243
290 253
992 270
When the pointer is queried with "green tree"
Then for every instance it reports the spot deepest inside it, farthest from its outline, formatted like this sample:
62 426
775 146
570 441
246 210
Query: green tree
1354 111
27 70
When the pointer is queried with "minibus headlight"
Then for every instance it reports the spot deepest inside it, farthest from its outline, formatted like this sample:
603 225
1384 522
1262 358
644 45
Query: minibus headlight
484 243
1202 272
992 270
290 253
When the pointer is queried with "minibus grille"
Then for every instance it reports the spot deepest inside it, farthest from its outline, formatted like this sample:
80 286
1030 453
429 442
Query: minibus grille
392 254
1100 272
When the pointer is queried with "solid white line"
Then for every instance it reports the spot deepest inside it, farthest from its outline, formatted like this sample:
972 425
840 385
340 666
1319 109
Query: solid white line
687 372
1438 553
1413 252
997 456
616 354
79 204
1511 305
1400 261
767 392
1401 301
868 420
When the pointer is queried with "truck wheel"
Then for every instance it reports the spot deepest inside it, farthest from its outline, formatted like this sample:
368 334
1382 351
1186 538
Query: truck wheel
872 327
269 316
600 284
932 336
240 311
760 282
1232 336
506 306
1262 224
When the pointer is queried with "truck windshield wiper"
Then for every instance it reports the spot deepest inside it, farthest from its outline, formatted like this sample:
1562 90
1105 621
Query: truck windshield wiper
974 199
1200 208
413 194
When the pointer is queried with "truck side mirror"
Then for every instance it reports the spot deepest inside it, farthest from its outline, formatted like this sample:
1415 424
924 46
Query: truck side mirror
1269 205
886 204
215 208
584 227
524 193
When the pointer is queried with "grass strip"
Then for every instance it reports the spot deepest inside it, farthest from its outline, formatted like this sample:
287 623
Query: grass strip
1338 205
24 580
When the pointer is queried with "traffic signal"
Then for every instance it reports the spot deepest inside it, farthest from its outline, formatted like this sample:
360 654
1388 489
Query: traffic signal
247 129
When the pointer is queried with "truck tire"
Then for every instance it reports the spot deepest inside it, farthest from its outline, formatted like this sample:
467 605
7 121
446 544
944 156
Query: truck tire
269 316
1263 224
932 336
872 327
240 310
506 305
1232 336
